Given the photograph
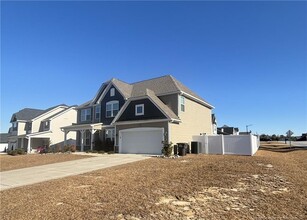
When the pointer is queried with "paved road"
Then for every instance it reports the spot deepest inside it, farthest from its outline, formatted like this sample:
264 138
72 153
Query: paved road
31 175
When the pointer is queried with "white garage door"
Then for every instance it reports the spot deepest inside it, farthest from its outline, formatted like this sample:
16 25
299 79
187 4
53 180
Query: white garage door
141 140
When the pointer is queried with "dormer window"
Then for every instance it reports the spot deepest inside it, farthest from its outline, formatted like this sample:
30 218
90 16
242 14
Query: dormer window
112 92
139 109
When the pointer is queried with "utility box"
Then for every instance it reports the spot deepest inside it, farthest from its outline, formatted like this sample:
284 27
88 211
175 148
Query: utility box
195 147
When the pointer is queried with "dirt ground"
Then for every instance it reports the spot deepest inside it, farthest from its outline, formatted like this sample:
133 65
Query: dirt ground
269 185
8 162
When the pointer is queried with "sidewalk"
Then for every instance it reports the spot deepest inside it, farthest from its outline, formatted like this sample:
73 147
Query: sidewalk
31 175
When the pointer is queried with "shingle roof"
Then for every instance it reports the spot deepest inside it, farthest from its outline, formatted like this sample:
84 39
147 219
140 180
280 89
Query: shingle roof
161 105
26 114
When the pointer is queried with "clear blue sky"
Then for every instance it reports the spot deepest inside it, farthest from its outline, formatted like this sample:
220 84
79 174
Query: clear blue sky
248 59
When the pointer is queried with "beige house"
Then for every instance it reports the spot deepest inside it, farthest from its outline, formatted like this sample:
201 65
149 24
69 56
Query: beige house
137 117
32 128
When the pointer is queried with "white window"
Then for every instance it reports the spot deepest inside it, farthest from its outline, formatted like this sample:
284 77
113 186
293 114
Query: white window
97 112
112 92
86 114
182 103
139 109
112 108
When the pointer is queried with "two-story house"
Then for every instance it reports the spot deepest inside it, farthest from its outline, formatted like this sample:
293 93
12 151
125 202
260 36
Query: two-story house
32 128
137 117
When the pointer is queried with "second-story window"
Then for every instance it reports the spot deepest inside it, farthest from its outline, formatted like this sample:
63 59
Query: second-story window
182 104
86 114
46 125
97 112
14 125
139 109
112 109
112 92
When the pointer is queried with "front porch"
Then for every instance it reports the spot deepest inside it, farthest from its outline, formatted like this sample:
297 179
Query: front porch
92 136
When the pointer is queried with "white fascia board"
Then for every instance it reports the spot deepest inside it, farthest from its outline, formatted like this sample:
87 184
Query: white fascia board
42 115
121 111
61 113
197 99
106 90
141 121
96 96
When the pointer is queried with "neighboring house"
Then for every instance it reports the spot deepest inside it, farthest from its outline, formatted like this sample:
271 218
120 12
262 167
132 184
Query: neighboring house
3 141
226 130
214 124
137 117
32 128
303 137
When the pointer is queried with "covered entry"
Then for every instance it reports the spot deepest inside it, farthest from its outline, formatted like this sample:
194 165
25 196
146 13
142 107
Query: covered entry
141 140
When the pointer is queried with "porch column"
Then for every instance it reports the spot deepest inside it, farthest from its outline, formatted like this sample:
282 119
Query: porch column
65 137
82 139
22 147
92 137
29 145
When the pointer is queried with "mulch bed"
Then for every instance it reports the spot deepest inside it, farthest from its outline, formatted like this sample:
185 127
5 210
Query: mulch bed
269 185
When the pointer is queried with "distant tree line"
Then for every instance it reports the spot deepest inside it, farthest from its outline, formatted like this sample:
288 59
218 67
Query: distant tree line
274 137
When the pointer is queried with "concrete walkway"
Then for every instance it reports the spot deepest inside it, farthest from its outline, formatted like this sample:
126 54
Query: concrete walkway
31 175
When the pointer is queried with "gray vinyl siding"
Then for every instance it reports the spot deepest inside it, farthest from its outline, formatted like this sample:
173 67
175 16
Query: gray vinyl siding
171 101
150 111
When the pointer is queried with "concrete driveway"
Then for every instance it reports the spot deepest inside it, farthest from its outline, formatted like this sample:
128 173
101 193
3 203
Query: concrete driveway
31 175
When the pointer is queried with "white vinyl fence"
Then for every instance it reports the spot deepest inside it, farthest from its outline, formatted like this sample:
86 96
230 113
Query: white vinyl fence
228 144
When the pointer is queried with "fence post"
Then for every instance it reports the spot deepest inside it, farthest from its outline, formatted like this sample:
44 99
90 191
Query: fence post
206 142
222 143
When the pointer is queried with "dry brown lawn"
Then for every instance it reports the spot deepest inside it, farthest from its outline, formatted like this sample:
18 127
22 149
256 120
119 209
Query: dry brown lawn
270 185
8 162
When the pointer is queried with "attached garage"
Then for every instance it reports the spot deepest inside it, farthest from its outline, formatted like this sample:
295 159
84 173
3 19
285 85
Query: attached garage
141 140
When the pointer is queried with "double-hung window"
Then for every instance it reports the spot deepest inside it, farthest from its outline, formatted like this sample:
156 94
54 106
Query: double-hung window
86 114
112 108
97 112
182 103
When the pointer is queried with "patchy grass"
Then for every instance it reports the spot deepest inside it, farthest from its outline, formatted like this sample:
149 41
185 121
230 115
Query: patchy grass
269 185
22 161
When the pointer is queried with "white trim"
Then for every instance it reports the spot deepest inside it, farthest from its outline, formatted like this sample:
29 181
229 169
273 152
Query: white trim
52 110
196 99
139 129
79 127
136 109
141 121
112 108
106 91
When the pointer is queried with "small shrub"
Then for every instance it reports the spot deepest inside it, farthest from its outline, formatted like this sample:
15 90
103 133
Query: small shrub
94 151
167 149
12 152
101 152
110 152
66 148
20 151
73 148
